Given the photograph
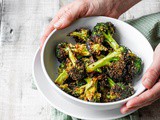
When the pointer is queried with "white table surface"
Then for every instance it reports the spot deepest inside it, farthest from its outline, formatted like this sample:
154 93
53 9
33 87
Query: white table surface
22 25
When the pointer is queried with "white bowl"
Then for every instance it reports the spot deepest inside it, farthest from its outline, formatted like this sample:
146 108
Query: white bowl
125 35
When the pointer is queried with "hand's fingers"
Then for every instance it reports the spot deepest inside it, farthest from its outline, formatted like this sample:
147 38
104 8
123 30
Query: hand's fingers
152 74
72 12
125 109
145 97
50 27
65 17
48 30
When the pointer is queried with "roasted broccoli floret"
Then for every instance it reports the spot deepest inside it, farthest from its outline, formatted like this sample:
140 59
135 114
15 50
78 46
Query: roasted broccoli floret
88 61
126 68
75 69
66 88
103 32
95 48
62 78
61 67
103 87
88 49
63 72
112 57
80 49
80 35
118 91
78 71
88 92
62 51
129 65
135 66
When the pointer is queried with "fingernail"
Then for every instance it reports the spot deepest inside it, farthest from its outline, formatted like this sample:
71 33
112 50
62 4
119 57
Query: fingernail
123 112
129 110
59 23
128 105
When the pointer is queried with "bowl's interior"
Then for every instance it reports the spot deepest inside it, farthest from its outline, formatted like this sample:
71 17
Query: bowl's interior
125 35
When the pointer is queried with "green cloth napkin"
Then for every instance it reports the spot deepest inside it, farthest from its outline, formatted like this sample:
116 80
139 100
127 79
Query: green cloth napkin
149 26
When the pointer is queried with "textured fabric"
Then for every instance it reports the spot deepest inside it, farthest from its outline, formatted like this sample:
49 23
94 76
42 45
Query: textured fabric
149 26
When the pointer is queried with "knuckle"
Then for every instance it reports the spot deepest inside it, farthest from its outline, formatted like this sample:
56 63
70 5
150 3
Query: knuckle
83 8
68 14
147 96
65 12
149 82
153 72
57 16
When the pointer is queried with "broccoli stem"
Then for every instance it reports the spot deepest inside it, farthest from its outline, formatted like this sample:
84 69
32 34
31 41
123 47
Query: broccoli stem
111 82
104 61
90 93
80 90
98 70
62 78
72 57
89 83
109 39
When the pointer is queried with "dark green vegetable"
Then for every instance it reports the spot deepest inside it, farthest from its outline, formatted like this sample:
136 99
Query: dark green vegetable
95 49
126 68
80 35
66 88
74 69
63 72
62 51
88 92
97 68
112 57
118 91
103 32
80 49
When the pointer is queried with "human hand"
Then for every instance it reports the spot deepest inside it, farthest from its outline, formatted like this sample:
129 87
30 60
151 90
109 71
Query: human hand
84 8
151 81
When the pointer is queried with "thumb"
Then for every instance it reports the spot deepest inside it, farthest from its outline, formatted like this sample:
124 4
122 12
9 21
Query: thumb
65 17
70 13
152 74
